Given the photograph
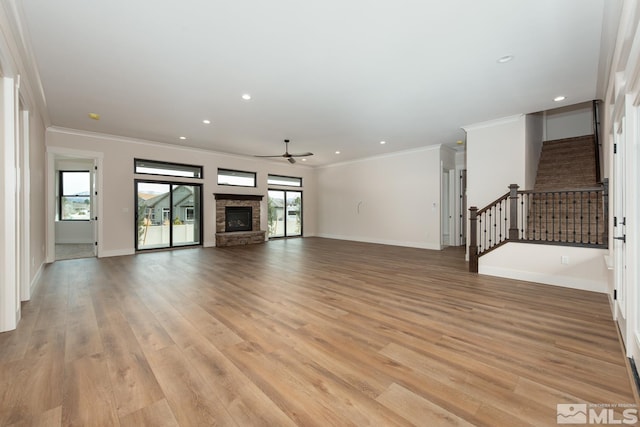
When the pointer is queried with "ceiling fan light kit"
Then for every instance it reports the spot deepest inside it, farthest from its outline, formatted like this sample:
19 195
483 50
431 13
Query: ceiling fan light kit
290 156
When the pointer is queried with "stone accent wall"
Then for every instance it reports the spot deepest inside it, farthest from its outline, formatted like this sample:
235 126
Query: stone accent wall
238 237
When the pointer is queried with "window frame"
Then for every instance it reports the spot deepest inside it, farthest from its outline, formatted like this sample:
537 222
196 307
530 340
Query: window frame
168 165
62 196
297 178
254 174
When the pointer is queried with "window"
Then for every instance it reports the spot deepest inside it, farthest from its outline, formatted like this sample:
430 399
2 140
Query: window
237 178
189 213
166 215
152 167
290 181
75 196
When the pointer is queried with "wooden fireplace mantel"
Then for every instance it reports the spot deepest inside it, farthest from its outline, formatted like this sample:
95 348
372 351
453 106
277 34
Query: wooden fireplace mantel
226 196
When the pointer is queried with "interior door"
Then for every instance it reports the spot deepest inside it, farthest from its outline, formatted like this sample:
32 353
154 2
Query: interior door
619 236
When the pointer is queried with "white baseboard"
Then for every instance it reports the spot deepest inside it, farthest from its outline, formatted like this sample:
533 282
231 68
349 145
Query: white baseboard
118 252
430 246
36 280
567 282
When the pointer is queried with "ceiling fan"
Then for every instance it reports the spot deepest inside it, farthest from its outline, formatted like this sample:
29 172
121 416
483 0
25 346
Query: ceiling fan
289 156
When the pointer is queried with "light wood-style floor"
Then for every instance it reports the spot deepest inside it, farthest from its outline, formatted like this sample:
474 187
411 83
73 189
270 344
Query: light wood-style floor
303 332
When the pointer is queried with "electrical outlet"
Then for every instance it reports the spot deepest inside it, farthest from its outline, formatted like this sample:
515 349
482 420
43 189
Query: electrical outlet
564 260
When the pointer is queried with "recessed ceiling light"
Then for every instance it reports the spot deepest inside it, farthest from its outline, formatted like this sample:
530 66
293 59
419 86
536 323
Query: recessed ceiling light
246 97
337 152
183 138
304 160
383 142
206 122
505 59
559 98
94 116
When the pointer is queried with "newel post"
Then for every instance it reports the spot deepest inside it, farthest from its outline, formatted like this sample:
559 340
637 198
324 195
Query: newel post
473 241
513 212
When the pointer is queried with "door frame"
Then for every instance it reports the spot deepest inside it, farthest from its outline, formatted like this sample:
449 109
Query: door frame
54 153
171 213
285 213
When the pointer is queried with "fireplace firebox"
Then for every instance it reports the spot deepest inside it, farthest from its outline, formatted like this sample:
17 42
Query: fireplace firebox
238 218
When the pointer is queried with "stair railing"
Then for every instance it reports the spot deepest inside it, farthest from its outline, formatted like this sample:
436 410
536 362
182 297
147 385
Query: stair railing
574 217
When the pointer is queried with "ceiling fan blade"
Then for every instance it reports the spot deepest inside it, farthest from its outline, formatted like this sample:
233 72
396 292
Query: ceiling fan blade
302 154
291 160
279 155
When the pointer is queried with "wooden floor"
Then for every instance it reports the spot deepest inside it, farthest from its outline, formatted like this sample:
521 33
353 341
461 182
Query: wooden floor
303 332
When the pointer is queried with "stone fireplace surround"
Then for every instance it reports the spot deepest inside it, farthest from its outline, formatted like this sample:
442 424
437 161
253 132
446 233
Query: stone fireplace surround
236 238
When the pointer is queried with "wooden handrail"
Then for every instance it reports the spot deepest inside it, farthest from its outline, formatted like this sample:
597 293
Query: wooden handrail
495 202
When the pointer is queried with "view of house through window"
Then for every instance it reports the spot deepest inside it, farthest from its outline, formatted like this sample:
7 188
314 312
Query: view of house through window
284 213
75 196
167 214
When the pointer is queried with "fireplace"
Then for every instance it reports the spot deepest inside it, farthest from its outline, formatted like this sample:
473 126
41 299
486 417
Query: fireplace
238 218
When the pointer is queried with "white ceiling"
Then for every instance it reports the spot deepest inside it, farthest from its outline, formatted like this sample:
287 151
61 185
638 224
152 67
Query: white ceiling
329 75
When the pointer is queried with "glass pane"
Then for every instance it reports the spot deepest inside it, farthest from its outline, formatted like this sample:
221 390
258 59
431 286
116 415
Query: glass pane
75 200
284 180
186 214
153 220
76 208
275 213
76 183
168 169
231 177
294 213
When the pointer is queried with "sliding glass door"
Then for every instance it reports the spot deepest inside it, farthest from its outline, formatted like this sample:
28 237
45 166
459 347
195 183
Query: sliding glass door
168 215
285 213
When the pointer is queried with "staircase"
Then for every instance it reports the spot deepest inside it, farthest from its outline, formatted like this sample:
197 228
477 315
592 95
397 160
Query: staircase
567 163
566 207
556 211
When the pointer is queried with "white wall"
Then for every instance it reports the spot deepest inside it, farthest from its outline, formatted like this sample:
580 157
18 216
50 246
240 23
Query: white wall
392 199
586 268
495 159
533 147
117 200
569 122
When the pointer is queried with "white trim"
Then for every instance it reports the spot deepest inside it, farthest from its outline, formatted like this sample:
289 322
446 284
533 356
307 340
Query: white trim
36 279
492 123
118 138
25 196
117 252
9 292
417 245
51 155
383 156
566 282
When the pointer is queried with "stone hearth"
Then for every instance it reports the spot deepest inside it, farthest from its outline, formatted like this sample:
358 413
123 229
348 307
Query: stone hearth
236 238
